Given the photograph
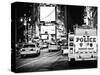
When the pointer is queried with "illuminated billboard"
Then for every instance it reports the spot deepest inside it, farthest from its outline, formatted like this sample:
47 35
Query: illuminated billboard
47 14
48 29
45 37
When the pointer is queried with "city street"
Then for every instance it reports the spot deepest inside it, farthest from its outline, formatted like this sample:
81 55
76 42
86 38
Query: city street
49 61
39 63
69 30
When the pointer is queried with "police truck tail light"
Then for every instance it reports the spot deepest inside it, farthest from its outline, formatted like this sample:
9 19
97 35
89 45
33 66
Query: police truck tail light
71 44
71 50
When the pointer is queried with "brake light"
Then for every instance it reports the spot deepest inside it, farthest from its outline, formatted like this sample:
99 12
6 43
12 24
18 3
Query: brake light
71 44
71 50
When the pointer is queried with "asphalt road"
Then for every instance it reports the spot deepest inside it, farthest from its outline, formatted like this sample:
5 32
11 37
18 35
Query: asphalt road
48 61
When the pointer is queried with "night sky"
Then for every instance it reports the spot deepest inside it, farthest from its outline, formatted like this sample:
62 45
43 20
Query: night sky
76 14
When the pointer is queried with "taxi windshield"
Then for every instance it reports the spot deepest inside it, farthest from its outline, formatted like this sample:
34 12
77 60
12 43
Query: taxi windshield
25 46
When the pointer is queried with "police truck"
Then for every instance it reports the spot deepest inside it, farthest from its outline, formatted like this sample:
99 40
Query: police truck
82 44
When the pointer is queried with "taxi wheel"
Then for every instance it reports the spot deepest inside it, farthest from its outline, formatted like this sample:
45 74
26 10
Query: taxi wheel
39 53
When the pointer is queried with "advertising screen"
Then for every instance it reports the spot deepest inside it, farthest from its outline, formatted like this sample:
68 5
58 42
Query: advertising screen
47 14
48 29
44 37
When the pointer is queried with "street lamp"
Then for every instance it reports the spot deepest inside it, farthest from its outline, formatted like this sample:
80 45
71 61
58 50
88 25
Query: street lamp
26 22
21 19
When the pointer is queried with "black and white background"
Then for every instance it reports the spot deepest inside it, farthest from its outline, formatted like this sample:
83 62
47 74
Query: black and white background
41 31
5 37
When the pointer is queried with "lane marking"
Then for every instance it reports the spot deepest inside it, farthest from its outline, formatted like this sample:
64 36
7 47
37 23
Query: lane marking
30 59
36 60
29 63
